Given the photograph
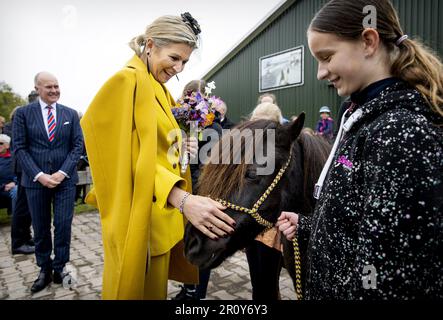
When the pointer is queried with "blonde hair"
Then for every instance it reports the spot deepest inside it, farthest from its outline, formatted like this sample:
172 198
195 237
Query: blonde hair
268 111
163 31
410 61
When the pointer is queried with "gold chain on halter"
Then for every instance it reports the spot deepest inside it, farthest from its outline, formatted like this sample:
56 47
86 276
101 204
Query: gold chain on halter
254 211
268 225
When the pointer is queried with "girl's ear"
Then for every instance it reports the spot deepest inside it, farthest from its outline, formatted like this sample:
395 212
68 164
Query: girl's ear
371 41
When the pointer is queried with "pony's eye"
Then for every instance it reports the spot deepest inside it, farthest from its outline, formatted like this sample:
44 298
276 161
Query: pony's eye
251 174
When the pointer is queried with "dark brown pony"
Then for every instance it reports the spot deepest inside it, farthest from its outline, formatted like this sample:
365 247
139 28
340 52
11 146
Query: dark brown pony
241 185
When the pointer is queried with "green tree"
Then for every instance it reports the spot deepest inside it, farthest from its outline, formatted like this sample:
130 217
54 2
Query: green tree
9 100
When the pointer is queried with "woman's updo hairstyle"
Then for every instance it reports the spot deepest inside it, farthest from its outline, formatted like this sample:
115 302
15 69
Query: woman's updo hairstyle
169 29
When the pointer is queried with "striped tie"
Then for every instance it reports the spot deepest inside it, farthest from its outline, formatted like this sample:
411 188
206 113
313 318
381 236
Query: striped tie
51 124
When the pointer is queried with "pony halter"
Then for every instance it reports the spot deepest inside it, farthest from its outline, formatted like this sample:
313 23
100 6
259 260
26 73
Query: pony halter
268 225
254 211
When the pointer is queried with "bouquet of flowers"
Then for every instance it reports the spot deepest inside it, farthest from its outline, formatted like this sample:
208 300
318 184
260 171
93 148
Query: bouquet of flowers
194 113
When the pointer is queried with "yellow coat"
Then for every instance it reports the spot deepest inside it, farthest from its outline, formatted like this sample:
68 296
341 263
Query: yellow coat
133 153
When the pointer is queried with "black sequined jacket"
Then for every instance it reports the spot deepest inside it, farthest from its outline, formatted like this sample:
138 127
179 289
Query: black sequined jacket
377 230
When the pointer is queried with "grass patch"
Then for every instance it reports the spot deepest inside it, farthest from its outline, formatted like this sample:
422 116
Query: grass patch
83 207
4 217
78 209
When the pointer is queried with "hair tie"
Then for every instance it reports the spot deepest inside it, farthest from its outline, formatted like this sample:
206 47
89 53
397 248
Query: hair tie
401 39
191 22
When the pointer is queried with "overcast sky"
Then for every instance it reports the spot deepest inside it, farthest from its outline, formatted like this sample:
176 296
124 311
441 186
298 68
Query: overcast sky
84 42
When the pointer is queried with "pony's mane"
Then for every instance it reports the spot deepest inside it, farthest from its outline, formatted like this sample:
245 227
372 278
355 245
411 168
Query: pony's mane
225 178
221 177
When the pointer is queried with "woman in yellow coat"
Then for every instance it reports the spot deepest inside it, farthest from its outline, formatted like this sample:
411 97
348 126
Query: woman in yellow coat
133 144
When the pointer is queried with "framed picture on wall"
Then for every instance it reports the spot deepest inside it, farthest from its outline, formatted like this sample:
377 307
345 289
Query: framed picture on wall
283 69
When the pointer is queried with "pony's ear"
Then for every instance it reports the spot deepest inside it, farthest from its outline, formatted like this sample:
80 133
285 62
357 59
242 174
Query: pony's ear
296 126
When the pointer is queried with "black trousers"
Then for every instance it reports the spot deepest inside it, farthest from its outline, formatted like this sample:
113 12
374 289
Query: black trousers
62 199
21 218
265 264
202 287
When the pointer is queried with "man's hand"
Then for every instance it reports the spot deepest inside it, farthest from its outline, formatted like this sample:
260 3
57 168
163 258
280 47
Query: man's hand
58 176
9 186
48 181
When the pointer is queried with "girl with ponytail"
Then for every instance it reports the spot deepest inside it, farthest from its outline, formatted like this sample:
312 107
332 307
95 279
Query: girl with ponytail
377 228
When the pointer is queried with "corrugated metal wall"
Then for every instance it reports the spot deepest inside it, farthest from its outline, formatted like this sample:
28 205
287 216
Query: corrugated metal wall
238 80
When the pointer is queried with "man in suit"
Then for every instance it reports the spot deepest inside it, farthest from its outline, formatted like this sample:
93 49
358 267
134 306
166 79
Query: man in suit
47 143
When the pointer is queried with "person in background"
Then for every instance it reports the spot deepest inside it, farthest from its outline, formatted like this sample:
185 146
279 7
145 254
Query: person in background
376 232
47 141
2 124
8 181
133 143
21 238
224 121
270 98
83 164
325 126
267 97
192 291
268 111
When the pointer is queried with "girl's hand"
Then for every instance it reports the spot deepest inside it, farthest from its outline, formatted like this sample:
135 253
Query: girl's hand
287 223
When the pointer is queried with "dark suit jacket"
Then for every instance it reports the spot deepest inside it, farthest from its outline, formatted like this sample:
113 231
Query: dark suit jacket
226 123
35 153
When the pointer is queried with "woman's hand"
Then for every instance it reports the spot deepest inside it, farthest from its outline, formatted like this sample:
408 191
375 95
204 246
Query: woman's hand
287 224
191 146
207 216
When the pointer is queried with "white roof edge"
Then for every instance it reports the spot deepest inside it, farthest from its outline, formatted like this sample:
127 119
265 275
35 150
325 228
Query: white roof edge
270 13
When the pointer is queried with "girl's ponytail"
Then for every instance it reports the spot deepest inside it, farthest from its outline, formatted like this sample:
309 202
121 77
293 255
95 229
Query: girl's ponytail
421 68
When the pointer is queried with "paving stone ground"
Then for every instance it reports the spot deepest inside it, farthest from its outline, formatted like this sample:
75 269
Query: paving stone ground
230 281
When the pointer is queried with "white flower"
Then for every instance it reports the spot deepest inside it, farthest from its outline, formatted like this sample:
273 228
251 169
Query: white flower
210 87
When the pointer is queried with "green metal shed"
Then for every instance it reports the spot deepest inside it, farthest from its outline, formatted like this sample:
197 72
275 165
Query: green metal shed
237 75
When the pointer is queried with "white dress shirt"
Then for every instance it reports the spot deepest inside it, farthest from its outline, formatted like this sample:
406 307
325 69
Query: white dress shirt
43 106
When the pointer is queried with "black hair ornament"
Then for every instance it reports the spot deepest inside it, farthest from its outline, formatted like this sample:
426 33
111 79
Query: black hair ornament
190 21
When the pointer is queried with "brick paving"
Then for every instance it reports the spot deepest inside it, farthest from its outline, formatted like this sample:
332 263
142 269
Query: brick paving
230 281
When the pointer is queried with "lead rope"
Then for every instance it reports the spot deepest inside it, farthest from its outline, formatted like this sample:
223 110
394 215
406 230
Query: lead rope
297 262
